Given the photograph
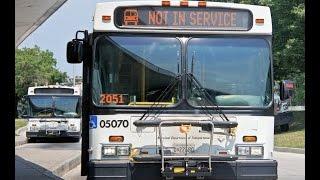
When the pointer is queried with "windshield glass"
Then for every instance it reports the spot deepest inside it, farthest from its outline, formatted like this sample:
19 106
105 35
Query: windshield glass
54 106
234 71
135 70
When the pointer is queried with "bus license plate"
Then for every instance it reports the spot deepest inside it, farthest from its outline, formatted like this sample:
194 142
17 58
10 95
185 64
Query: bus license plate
181 149
52 125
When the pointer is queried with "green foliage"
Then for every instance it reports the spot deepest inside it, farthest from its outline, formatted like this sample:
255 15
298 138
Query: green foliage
33 65
299 96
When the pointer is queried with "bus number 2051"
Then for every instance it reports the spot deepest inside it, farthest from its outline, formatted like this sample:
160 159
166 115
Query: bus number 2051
114 123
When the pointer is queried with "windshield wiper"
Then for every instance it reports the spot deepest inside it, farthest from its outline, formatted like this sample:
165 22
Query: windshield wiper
163 94
207 96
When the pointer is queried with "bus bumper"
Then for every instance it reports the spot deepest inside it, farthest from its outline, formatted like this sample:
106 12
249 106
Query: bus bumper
53 133
239 169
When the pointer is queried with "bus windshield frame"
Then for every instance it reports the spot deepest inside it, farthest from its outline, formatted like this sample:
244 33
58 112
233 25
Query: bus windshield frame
52 106
184 60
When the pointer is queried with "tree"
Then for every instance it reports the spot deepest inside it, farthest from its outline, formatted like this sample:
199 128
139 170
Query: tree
35 66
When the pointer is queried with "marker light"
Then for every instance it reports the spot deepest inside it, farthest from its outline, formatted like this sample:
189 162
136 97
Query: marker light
116 138
249 138
259 21
165 3
184 3
106 18
202 4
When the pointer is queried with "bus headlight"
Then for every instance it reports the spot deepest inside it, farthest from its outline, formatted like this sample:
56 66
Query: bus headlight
249 150
115 150
109 151
34 127
123 151
243 151
72 127
256 151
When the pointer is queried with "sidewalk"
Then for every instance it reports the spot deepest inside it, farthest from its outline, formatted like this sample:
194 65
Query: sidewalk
20 137
44 160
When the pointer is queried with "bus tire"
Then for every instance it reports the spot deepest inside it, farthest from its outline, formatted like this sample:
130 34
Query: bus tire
284 127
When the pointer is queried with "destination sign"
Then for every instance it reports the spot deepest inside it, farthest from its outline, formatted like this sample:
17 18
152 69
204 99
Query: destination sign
183 18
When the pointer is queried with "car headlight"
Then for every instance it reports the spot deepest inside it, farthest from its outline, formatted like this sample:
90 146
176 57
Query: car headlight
109 151
250 150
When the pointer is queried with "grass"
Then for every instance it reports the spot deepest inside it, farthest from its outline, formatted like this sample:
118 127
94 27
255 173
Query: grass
295 137
20 123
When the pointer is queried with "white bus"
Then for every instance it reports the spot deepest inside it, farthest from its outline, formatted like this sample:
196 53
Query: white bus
53 111
177 89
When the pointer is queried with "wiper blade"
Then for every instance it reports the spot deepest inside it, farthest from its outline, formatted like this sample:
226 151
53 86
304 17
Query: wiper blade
163 94
207 96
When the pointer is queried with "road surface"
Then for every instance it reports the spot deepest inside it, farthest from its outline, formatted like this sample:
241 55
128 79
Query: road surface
35 160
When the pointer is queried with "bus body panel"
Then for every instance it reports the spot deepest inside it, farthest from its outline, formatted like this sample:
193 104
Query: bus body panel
260 126
107 8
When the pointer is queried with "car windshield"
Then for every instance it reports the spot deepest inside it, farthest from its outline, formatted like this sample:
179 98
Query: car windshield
55 106
234 71
135 70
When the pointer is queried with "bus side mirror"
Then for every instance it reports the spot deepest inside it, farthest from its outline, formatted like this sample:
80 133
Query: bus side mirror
286 90
24 116
74 52
76 48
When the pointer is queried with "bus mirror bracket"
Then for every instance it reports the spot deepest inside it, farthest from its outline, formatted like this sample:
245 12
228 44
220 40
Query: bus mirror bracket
286 91
76 49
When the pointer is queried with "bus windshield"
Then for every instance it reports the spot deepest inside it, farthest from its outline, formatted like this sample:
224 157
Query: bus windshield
135 70
234 71
55 106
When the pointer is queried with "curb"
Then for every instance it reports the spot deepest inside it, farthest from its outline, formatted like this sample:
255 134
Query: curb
18 132
66 166
290 150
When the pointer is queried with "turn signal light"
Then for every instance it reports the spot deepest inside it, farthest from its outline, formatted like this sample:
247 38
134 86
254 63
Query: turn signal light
259 21
249 138
184 3
106 18
116 138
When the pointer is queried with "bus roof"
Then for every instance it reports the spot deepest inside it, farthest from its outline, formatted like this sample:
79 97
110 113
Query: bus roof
260 18
46 90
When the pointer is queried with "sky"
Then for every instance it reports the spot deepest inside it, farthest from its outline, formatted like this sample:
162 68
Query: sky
60 28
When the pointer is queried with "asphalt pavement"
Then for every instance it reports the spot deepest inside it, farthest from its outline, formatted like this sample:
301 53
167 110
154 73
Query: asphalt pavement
291 166
38 160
